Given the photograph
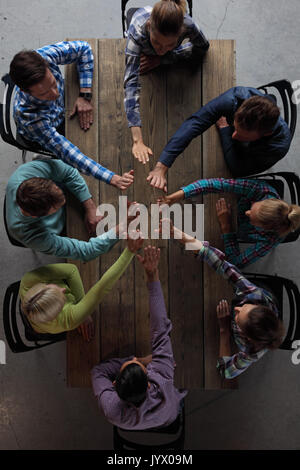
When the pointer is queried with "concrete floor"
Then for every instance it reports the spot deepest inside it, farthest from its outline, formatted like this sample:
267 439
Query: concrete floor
37 410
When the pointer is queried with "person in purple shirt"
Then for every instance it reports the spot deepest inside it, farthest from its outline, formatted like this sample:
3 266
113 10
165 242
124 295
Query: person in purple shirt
139 393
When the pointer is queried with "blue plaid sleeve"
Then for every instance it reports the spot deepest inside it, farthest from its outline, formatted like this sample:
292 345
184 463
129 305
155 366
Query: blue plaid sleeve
249 188
48 137
132 89
248 256
68 52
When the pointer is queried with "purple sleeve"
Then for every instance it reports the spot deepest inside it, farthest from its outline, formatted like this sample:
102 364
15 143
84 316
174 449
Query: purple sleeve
104 374
160 325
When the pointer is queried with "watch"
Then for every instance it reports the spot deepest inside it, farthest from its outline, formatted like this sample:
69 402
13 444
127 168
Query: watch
86 96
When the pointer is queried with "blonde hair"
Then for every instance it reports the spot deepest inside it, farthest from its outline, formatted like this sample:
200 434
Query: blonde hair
42 303
167 17
277 215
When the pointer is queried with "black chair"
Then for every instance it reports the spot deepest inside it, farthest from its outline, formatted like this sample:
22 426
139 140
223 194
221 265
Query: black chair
176 428
280 287
7 123
12 312
127 16
286 91
280 181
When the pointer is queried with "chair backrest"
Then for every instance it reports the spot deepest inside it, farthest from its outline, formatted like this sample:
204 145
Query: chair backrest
280 181
6 120
11 313
176 428
126 17
286 91
279 286
5 113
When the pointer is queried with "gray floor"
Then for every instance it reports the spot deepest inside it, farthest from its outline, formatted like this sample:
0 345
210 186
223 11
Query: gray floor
37 411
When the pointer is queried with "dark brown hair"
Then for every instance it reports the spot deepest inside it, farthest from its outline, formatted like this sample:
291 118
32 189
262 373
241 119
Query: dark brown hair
38 195
258 114
263 328
167 17
27 68
132 384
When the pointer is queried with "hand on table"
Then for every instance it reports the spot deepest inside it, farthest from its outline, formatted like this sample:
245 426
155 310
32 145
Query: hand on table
84 109
224 215
87 329
224 317
222 122
148 62
157 177
123 182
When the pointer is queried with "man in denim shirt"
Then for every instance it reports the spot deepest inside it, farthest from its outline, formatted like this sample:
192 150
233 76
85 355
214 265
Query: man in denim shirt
253 135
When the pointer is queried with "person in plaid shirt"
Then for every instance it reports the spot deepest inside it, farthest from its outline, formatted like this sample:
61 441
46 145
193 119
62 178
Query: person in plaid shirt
253 318
155 37
39 109
263 218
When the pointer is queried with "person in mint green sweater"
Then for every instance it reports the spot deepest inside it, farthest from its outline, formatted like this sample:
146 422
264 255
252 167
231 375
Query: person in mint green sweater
53 298
35 210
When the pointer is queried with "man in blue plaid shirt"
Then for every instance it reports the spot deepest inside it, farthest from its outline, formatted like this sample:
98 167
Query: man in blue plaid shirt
39 109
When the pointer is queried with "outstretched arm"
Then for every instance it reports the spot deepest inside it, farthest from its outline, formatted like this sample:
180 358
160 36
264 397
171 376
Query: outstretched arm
160 325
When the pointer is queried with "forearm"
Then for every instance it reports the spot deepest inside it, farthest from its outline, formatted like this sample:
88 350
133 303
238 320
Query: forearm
71 248
69 153
96 294
225 346
191 128
136 134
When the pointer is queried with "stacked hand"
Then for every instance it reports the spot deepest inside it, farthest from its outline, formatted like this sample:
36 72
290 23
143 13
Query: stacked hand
141 152
123 182
150 262
157 177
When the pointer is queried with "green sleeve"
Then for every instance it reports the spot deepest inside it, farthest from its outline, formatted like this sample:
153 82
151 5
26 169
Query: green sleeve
53 272
79 312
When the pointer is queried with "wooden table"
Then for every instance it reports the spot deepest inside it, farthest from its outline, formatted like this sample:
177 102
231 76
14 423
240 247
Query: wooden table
191 289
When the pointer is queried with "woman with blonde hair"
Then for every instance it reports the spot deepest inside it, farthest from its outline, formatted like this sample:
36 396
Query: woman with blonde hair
53 298
263 218
155 37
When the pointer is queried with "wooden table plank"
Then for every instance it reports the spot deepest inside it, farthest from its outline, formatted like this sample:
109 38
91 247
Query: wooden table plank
219 64
154 129
185 280
82 356
117 328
